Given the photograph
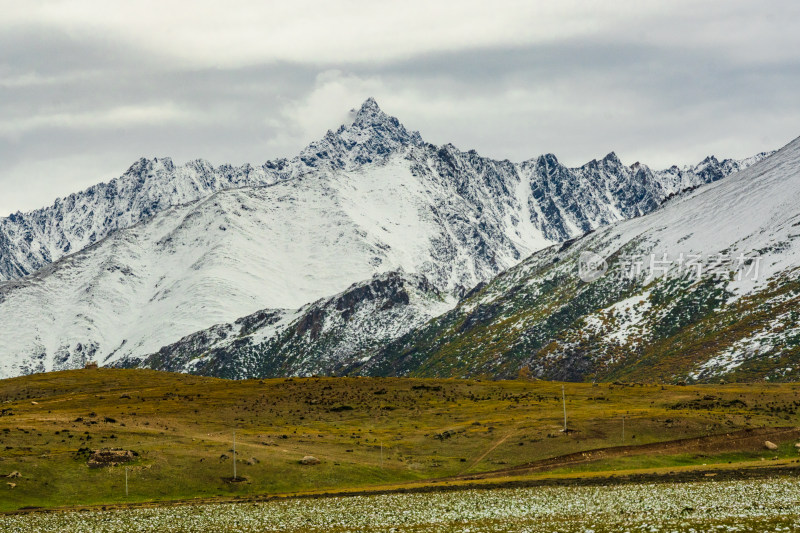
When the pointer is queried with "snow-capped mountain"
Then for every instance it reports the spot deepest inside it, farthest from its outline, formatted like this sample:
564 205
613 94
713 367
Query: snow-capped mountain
169 250
706 287
29 241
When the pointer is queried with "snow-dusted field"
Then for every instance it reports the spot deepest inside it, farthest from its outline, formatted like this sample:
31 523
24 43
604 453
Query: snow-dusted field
767 505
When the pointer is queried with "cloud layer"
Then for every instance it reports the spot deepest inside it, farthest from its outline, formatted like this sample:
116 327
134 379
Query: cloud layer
87 87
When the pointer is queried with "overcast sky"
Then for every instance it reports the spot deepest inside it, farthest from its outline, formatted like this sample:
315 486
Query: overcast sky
87 87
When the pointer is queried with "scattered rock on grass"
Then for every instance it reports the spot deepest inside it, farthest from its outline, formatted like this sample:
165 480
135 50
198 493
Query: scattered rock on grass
309 460
770 445
109 457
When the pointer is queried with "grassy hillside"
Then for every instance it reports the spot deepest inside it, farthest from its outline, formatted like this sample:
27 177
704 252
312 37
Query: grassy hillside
366 432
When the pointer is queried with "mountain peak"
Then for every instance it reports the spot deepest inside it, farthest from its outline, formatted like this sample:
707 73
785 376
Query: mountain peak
371 136
372 126
369 106
548 160
370 114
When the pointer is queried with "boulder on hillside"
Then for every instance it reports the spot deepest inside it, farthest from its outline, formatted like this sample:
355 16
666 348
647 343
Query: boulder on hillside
309 460
770 445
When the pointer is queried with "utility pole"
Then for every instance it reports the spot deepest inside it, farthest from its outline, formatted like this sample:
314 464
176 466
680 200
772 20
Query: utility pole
623 430
564 400
126 481
234 455
381 455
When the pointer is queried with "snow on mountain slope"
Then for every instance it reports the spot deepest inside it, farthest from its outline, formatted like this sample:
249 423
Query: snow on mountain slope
242 250
755 213
187 268
368 198
708 285
326 337
29 241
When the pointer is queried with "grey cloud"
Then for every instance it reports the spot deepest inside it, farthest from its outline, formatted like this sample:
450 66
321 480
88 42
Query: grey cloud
662 95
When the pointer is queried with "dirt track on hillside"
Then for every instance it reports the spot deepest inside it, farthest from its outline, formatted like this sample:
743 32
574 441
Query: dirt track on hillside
736 441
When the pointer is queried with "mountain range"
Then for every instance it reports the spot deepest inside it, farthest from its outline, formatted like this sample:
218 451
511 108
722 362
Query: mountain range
705 288
361 254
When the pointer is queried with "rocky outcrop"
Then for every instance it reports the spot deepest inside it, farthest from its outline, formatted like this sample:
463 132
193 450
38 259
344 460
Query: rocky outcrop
109 457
